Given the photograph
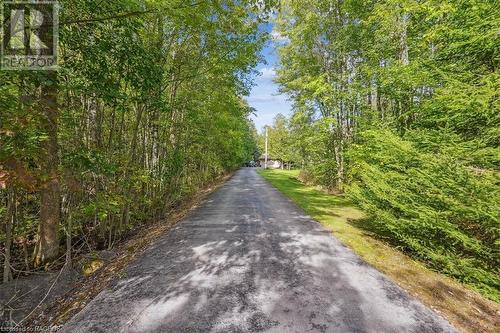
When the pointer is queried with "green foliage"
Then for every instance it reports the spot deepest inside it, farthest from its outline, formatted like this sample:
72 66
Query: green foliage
150 109
280 143
430 205
396 102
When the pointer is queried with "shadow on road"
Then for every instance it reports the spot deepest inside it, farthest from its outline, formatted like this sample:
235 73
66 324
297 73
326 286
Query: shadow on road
248 260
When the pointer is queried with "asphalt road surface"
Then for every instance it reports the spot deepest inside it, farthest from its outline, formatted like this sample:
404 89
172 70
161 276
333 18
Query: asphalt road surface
249 260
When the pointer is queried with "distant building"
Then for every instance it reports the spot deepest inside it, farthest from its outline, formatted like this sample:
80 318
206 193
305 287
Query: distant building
272 163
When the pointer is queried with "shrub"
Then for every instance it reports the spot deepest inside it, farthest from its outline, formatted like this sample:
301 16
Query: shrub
430 205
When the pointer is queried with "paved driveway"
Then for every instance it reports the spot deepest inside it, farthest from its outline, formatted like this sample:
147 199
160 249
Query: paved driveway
249 260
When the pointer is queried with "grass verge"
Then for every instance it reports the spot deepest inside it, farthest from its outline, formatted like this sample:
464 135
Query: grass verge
466 309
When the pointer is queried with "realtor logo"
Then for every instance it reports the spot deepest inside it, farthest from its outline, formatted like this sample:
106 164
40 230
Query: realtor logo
29 35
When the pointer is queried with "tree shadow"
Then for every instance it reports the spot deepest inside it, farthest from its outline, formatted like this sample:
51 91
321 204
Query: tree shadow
250 261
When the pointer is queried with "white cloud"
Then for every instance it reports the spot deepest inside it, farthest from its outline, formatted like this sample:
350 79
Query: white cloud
262 99
268 73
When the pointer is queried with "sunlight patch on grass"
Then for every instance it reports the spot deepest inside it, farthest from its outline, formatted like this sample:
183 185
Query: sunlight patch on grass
464 308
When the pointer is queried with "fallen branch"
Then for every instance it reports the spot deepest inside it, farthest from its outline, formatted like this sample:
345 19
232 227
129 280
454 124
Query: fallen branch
43 299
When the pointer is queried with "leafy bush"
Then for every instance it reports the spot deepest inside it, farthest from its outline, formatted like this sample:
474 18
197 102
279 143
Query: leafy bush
435 208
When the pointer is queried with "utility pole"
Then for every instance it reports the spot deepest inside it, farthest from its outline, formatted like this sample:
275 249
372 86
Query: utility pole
267 141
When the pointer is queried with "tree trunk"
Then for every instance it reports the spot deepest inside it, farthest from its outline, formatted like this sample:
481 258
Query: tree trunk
48 242
132 154
69 227
9 223
24 244
403 40
339 159
374 96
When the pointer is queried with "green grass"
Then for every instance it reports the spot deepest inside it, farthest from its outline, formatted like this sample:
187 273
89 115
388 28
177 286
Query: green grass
464 308
331 210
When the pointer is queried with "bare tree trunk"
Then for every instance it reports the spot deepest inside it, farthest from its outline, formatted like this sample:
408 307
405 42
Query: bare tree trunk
48 240
339 159
404 104
24 244
374 96
403 40
69 227
9 223
340 171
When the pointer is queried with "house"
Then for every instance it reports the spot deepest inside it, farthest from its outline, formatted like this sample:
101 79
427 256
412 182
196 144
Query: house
272 163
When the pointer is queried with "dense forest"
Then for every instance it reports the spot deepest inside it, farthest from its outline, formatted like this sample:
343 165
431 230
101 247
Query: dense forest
145 108
396 104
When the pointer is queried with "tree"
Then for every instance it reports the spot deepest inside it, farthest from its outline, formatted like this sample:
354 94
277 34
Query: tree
47 248
395 103
146 108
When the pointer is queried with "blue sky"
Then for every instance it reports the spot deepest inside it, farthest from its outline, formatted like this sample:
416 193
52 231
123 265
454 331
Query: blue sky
264 96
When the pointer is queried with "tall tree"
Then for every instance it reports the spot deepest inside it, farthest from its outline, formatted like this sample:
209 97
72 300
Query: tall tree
146 107
47 248
396 103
